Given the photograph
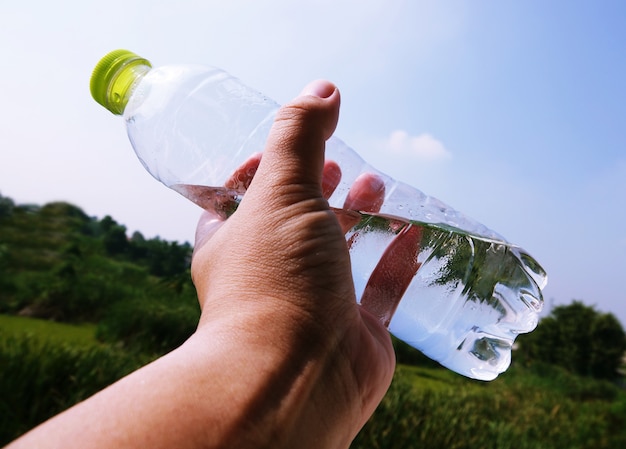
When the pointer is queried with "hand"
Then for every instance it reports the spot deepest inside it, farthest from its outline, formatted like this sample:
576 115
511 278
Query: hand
396 267
274 282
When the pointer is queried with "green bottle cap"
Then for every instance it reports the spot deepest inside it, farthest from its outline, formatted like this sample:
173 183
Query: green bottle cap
114 76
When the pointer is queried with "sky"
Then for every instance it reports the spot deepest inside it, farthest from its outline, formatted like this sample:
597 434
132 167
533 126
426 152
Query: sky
511 112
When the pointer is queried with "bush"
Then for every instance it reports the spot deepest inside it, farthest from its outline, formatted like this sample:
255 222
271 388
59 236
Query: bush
149 325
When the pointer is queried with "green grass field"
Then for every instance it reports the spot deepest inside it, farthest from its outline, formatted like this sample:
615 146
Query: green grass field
75 335
46 367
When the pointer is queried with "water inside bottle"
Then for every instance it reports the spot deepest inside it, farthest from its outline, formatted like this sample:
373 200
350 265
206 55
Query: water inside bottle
464 298
460 298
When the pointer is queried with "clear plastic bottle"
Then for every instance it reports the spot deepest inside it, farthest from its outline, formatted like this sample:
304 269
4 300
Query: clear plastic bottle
465 292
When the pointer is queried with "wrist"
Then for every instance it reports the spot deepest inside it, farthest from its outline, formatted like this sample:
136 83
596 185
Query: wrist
270 388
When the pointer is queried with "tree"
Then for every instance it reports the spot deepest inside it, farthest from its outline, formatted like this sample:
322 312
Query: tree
578 338
606 358
6 206
113 236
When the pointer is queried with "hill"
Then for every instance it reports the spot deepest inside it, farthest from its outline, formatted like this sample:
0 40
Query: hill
59 264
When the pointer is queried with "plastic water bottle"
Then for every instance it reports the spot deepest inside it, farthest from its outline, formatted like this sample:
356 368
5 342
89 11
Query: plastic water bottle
442 282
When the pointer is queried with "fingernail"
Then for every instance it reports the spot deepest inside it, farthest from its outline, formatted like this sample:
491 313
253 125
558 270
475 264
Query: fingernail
319 88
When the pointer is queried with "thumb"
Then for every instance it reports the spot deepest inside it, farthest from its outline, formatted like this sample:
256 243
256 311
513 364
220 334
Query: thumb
294 152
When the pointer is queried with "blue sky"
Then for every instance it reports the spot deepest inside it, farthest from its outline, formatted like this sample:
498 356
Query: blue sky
511 112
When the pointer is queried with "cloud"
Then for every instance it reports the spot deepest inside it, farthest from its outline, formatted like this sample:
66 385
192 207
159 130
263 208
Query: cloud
423 146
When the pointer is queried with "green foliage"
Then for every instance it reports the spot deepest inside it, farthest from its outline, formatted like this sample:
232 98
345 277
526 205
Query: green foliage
520 410
608 343
579 339
545 406
114 237
6 207
148 325
162 258
58 263
39 379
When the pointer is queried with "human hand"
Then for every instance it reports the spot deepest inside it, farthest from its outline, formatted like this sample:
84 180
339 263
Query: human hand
305 364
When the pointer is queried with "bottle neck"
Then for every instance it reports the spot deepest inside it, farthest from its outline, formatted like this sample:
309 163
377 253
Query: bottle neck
122 85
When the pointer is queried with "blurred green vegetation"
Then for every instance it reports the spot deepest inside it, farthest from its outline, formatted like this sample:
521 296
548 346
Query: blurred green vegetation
526 407
82 304
58 264
540 407
52 332
40 377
